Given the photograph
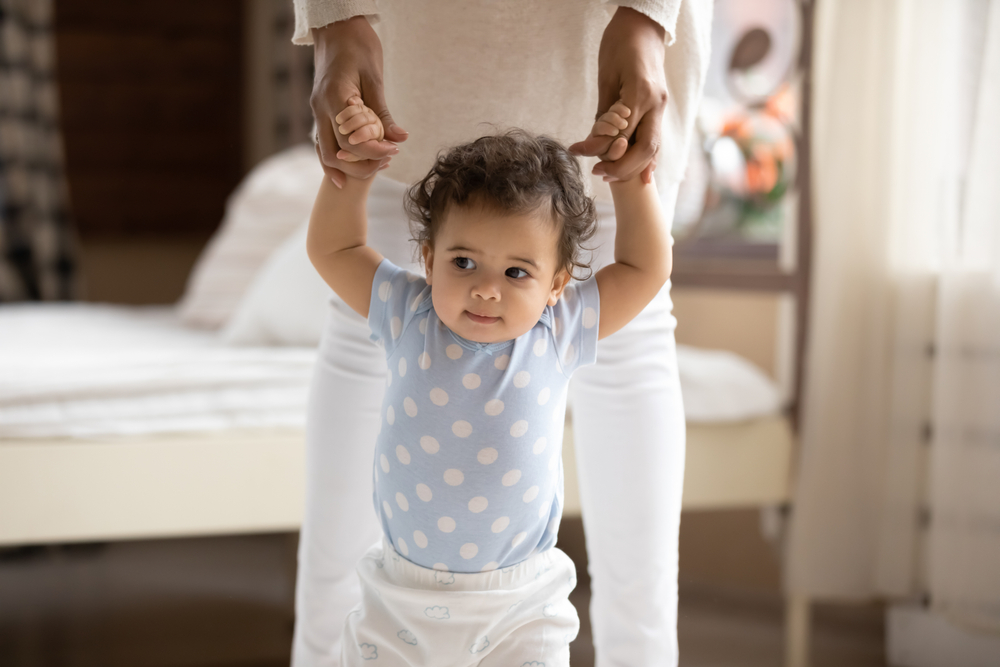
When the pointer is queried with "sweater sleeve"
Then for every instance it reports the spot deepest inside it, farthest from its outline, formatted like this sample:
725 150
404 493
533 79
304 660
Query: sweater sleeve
663 12
311 14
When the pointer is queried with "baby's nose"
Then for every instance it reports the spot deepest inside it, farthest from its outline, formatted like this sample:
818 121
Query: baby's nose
487 289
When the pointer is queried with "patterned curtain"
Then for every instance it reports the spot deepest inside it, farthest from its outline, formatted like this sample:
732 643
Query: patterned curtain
37 245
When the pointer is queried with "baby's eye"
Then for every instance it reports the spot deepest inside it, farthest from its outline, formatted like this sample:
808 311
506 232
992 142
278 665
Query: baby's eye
464 263
514 272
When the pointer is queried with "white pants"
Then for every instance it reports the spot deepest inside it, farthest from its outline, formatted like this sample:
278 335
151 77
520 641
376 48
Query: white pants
628 424
410 616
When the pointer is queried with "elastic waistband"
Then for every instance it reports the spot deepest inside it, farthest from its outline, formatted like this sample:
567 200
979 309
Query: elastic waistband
402 572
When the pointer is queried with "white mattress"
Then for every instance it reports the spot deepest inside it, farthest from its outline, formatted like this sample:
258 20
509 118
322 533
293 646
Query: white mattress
90 370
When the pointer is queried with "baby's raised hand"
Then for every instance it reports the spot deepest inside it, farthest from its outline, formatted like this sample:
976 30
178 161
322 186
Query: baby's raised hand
610 124
359 124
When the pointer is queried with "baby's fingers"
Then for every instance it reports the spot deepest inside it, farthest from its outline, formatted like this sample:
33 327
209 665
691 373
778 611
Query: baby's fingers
370 132
607 128
354 107
366 117
620 109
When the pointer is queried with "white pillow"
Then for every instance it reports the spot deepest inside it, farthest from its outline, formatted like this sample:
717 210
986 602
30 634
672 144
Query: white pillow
721 386
262 212
286 302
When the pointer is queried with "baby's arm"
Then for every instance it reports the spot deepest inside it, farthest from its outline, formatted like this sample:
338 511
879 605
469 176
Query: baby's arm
338 226
643 255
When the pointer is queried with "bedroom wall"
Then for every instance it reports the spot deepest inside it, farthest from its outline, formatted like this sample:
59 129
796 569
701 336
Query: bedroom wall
151 109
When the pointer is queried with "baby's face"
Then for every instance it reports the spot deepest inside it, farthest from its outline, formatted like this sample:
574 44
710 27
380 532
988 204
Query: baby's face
492 274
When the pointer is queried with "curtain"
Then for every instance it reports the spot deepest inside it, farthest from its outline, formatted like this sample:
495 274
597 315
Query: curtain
900 438
37 248
964 558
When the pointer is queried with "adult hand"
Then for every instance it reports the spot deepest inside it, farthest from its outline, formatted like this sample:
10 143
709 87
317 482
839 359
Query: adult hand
629 68
348 59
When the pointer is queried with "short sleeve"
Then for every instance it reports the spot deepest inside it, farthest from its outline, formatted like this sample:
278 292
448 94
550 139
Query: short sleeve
398 296
573 324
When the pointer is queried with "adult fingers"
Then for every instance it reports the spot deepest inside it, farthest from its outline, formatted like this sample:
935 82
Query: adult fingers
376 101
592 146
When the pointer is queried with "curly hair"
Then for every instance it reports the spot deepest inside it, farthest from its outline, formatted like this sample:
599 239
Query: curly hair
514 173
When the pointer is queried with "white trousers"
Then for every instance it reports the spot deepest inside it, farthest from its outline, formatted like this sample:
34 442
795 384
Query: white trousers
411 616
628 425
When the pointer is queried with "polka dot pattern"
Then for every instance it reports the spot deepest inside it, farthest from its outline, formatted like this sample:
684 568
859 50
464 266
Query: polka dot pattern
439 397
385 291
502 403
409 407
511 477
478 504
429 444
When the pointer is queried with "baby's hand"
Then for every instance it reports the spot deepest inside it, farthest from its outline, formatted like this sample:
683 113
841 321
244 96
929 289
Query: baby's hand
359 124
610 124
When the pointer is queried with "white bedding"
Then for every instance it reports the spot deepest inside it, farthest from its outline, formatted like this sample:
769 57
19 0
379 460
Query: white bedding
90 370
82 370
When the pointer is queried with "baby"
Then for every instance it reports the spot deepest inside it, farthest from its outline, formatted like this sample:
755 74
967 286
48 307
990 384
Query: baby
468 469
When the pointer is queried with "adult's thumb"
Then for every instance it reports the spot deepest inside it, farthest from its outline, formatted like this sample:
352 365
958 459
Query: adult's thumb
393 132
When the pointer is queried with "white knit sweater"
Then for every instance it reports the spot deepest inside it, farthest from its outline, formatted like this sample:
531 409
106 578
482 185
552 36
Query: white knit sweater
457 69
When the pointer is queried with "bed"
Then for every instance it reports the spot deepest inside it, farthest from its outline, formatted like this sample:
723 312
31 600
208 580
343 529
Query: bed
123 423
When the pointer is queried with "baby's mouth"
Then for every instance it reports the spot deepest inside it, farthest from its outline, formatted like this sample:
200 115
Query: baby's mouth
481 319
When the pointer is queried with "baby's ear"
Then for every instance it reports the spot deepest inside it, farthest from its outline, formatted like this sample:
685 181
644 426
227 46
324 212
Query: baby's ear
427 250
559 282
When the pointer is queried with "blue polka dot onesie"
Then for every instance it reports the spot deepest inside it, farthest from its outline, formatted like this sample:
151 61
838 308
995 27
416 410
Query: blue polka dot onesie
468 466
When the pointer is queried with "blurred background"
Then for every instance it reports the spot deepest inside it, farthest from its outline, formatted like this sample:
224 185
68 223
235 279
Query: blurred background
836 286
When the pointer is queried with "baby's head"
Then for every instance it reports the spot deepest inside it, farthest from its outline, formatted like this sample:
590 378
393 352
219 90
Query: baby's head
501 222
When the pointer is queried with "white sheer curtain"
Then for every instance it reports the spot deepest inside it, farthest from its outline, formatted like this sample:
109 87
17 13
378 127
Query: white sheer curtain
964 562
901 421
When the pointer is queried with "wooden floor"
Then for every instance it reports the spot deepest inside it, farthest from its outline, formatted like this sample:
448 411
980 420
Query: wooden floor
217 602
